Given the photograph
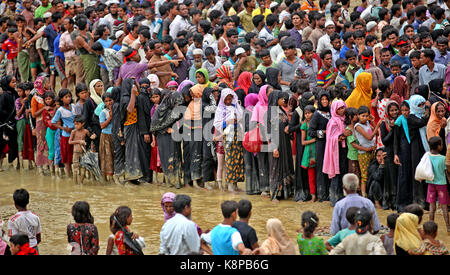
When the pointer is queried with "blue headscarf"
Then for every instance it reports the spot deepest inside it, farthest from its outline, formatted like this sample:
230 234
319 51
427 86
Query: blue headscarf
402 122
419 112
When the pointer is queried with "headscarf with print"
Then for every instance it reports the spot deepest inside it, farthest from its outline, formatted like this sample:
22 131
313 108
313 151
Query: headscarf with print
39 85
225 76
167 197
226 113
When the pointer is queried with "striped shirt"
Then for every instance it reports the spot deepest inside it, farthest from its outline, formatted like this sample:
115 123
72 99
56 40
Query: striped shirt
323 76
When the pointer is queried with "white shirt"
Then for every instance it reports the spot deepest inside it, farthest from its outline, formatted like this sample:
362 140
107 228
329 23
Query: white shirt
25 222
179 237
178 24
324 43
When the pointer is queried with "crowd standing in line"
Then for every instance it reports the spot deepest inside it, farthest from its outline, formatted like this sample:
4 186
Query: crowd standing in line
286 96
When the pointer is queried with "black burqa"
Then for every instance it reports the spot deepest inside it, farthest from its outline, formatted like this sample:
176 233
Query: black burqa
272 78
209 106
8 130
117 133
254 89
144 106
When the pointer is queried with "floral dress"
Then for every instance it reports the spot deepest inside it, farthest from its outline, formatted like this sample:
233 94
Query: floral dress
85 234
313 246
428 248
122 248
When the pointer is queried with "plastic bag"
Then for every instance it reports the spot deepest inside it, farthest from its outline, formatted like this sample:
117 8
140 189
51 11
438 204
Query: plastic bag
424 170
252 141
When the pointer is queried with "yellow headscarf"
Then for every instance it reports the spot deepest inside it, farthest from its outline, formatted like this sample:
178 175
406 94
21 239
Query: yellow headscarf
97 98
362 94
406 234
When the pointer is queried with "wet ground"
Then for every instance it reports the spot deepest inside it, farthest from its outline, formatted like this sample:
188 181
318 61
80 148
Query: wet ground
52 199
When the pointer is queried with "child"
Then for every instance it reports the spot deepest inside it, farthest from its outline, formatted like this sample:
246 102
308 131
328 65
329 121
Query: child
309 156
308 244
11 48
267 61
388 239
430 246
155 161
167 205
78 141
365 135
57 142
122 219
19 245
82 94
437 188
337 239
351 118
111 248
353 67
65 113
106 149
396 70
21 122
47 116
384 93
28 150
24 221
412 74
247 232
172 86
342 65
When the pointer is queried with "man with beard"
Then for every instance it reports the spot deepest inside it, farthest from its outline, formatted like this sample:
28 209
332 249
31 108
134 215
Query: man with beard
181 21
198 61
28 13
112 16
179 235
318 31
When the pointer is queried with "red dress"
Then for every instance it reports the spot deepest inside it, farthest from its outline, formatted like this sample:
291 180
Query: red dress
122 248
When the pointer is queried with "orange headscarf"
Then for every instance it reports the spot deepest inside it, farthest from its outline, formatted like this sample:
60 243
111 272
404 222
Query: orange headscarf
434 123
362 94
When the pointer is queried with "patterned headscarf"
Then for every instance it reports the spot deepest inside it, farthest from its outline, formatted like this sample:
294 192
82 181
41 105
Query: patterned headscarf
225 76
39 84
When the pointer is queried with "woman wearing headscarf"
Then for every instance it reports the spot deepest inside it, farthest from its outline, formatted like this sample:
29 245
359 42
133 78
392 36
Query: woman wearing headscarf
362 94
167 204
423 90
277 242
301 187
144 107
417 122
400 87
154 81
406 235
91 120
317 130
402 158
273 78
117 135
41 86
225 77
252 186
335 154
387 130
164 118
281 166
8 121
210 99
258 119
258 80
228 122
436 87
244 82
183 84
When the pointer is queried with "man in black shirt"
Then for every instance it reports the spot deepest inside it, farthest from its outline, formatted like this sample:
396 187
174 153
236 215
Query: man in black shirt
247 232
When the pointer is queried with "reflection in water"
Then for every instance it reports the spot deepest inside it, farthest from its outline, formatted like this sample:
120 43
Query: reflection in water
52 199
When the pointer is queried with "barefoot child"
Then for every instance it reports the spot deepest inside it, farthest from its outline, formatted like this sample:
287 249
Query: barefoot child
19 245
122 219
111 248
78 141
309 156
47 116
308 244
155 161
106 149
21 122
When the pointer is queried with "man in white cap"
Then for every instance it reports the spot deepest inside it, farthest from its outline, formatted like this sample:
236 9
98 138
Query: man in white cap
371 28
237 58
197 64
324 42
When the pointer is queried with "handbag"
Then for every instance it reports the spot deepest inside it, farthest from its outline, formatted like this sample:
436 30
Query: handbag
424 170
252 140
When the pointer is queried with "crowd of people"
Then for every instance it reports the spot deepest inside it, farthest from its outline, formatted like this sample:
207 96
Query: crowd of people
355 226
286 96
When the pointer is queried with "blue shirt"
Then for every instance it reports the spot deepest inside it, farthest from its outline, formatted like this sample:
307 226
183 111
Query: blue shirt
179 237
442 59
406 62
224 240
67 118
57 50
337 239
425 75
438 163
50 33
344 50
104 115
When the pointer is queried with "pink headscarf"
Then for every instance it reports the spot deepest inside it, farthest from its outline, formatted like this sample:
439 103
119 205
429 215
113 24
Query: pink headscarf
335 128
261 107
167 197
250 101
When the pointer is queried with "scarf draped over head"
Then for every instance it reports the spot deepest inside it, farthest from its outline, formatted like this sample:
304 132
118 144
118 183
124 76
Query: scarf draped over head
166 114
39 84
95 97
260 108
400 87
272 78
183 84
226 113
402 122
335 128
171 83
388 119
434 122
406 235
278 242
436 86
362 94
225 76
320 107
254 89
244 81
250 101
209 102
167 197
154 81
414 102
423 90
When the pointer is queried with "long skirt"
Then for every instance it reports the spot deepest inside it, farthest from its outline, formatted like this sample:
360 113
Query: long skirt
192 161
252 186
20 126
42 147
390 183
281 170
155 160
119 156
209 164
50 138
263 165
322 181
28 151
234 160
106 152
170 154
91 68
23 58
133 169
57 159
302 190
145 158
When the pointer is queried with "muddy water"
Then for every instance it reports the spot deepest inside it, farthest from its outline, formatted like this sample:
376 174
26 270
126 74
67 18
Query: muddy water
52 199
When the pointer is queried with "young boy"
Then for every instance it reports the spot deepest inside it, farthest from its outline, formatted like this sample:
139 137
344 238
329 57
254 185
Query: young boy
396 70
247 232
412 74
384 66
78 139
437 188
24 221
11 48
267 61
388 239
225 239
327 74
342 66
212 63
267 34
336 239
430 246
19 245
353 67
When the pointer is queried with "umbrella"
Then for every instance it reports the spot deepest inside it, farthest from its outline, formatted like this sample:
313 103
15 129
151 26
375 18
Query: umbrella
89 160
128 240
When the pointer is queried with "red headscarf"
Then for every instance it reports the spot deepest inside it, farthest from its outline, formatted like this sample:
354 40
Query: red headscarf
27 250
244 81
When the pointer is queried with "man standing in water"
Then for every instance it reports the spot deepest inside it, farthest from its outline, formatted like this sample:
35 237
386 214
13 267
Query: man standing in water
179 234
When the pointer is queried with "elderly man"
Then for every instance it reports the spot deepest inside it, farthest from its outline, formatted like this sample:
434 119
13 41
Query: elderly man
179 235
352 199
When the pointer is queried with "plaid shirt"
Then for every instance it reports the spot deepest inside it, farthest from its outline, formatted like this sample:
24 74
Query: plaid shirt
111 61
